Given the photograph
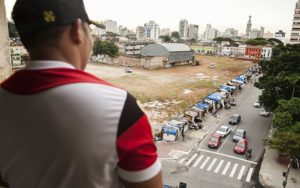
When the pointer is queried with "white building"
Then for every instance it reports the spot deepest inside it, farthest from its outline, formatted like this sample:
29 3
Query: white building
140 32
98 32
111 26
266 52
242 49
295 33
134 48
230 51
165 31
211 33
17 50
280 35
193 31
151 30
268 35
183 29
254 34
231 32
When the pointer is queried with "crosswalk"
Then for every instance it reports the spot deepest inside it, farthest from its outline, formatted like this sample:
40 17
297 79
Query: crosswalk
226 167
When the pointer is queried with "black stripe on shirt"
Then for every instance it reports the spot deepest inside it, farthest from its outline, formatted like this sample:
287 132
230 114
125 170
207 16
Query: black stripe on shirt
130 114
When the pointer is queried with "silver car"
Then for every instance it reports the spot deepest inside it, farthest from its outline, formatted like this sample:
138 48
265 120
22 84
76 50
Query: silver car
224 131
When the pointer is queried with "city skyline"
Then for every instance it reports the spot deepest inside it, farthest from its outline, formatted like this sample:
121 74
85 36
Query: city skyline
273 15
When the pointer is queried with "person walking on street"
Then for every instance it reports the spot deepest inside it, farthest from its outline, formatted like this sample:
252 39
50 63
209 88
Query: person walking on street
61 126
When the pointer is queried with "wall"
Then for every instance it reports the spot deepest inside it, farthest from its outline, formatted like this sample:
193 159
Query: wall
5 68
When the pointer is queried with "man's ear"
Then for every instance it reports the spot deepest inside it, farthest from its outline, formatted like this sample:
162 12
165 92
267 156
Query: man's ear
77 32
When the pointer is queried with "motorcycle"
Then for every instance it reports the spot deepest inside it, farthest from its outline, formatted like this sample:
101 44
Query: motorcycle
249 154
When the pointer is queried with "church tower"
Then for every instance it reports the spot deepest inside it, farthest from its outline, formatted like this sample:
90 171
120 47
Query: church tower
249 24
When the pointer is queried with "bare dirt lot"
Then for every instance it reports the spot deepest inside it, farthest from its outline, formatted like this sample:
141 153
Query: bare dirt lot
166 92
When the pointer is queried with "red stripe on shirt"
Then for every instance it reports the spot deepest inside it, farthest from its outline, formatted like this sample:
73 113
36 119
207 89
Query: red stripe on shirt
26 82
135 147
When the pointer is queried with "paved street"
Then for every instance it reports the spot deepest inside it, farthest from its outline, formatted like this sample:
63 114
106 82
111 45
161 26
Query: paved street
222 167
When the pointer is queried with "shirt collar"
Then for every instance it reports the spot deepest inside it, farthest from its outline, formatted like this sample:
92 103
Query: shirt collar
46 64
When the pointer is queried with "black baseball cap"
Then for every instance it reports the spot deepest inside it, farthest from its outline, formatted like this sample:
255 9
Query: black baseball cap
30 15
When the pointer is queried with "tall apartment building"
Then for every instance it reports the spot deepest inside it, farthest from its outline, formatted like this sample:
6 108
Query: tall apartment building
151 30
140 32
211 33
193 31
248 29
183 28
295 33
111 26
165 31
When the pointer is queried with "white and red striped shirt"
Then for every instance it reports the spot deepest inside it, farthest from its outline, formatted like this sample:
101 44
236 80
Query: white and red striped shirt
61 127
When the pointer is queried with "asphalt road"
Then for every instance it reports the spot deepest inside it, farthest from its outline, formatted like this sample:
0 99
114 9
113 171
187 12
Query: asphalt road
205 167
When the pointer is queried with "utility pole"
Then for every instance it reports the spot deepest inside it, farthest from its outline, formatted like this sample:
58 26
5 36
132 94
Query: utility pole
286 174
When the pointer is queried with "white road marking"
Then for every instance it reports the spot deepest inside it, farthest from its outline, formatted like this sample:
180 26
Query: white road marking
249 175
198 160
219 166
233 170
189 162
204 163
226 168
181 160
227 156
211 164
241 172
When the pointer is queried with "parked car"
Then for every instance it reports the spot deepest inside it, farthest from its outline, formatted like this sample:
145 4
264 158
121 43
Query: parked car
128 70
215 141
241 147
235 119
257 104
224 131
264 113
239 134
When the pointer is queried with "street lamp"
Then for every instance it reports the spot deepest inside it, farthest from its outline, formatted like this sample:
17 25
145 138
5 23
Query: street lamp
286 174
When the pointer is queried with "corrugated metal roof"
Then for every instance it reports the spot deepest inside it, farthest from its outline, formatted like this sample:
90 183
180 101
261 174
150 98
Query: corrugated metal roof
175 47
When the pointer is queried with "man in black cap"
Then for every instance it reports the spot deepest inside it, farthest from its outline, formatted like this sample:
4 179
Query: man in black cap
60 126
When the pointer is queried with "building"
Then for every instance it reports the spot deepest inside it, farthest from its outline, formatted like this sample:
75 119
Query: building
266 52
231 32
211 33
134 48
268 35
183 29
261 33
98 32
140 32
165 31
253 51
151 30
17 51
248 28
254 33
111 26
295 33
204 49
280 35
193 31
168 54
230 51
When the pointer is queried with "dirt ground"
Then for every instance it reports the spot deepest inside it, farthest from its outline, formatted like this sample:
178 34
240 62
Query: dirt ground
168 92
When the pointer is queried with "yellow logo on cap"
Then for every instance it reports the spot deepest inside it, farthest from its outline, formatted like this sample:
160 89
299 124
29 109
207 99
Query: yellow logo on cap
49 16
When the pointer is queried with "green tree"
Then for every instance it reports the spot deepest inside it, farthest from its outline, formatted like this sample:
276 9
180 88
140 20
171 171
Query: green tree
165 38
286 142
281 76
274 41
175 34
12 31
257 41
111 34
105 47
221 39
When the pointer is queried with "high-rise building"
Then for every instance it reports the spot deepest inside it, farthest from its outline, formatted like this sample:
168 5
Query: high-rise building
295 33
193 31
211 33
140 32
111 26
165 31
151 30
231 32
248 29
183 28
280 35
254 33
261 32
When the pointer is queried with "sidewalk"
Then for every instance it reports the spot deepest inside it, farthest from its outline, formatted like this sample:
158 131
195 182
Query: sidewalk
169 150
270 174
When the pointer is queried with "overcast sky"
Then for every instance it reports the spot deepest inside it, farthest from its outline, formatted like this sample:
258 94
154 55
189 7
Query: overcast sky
221 14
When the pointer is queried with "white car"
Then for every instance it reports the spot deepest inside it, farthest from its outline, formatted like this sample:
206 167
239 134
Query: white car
264 113
257 104
224 131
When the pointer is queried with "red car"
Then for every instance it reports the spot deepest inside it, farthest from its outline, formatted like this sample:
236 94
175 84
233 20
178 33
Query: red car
241 147
215 141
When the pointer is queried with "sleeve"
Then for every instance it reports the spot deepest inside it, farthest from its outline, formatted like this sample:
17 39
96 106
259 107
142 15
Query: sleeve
135 147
